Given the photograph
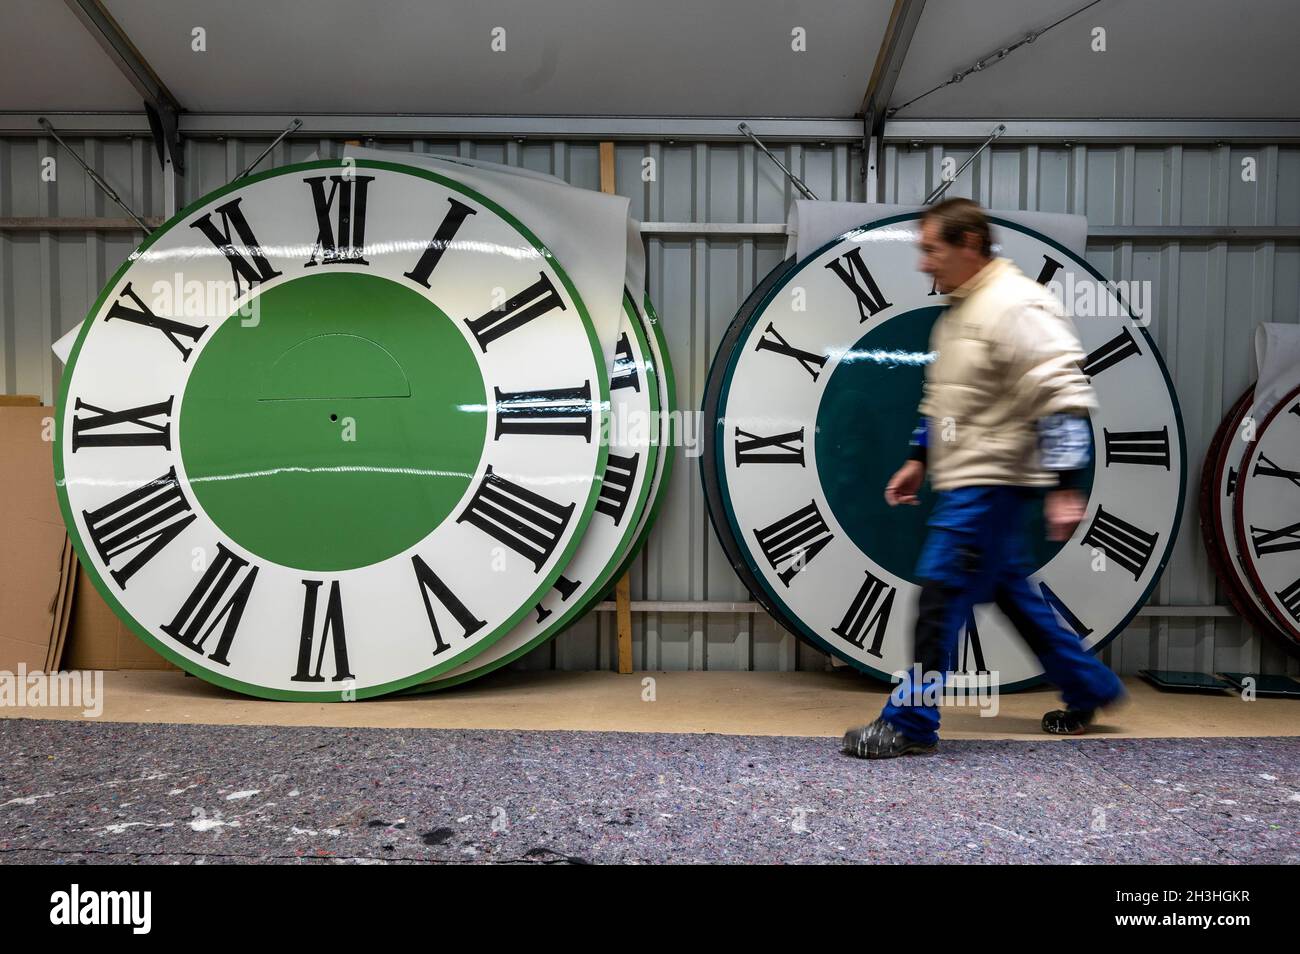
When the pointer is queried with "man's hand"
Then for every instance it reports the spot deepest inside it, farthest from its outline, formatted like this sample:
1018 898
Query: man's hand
1062 511
902 487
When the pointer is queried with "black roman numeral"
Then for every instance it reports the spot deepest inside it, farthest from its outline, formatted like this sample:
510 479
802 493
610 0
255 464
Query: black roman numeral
1050 267
1081 629
555 411
232 216
871 301
199 615
1110 354
970 657
794 540
750 450
346 244
812 363
430 582
1138 447
534 301
624 375
154 434
616 488
1262 539
566 588
1267 468
331 632
441 241
1129 546
1232 482
868 614
141 315
526 522
144 520
856 274
1290 598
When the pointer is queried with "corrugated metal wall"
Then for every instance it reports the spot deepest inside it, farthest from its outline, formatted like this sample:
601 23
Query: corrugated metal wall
1209 297
49 279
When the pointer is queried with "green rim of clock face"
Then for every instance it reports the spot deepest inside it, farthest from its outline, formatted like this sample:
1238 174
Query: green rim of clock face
728 524
371 376
636 526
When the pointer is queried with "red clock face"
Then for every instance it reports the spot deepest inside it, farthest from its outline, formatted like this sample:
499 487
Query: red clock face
1268 514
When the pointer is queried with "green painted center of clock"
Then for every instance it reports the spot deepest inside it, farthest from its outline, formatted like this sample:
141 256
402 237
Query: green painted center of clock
335 427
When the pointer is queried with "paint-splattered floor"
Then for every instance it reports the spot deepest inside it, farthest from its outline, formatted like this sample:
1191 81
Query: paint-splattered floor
109 792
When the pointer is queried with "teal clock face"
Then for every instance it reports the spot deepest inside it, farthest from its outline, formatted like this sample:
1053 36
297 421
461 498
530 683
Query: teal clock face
812 398
333 430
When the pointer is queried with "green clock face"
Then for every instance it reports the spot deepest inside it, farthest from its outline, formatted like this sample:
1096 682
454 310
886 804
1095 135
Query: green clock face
332 431
811 400
271 403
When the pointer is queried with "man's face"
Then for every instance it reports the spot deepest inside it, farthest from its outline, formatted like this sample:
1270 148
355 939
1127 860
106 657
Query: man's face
948 265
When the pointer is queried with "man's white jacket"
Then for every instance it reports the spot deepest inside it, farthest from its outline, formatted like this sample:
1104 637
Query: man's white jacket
1006 356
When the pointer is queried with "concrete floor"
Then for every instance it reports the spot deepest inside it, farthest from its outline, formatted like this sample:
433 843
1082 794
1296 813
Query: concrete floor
730 703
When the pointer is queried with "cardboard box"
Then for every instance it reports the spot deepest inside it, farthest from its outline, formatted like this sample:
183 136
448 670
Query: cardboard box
97 639
32 537
63 607
51 615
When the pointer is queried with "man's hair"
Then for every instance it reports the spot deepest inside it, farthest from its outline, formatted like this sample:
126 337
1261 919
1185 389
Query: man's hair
956 217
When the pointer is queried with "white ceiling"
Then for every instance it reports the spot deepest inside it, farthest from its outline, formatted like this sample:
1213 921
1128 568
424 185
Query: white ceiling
49 61
594 57
1177 59
1165 58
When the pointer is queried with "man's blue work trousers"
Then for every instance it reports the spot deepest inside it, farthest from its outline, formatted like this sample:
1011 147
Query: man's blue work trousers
977 551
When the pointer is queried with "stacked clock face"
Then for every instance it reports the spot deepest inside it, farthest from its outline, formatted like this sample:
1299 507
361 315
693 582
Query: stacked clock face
636 478
812 397
1250 512
338 430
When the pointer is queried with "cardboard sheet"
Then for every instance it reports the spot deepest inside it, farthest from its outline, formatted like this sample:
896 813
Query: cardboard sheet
32 537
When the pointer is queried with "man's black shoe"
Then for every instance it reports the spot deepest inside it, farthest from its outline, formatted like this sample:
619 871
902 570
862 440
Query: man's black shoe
880 740
1068 721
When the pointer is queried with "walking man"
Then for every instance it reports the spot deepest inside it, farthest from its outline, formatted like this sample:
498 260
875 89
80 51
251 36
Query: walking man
1004 416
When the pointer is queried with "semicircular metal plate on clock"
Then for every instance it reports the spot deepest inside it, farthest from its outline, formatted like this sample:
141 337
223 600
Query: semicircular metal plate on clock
815 402
625 496
1267 515
332 430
